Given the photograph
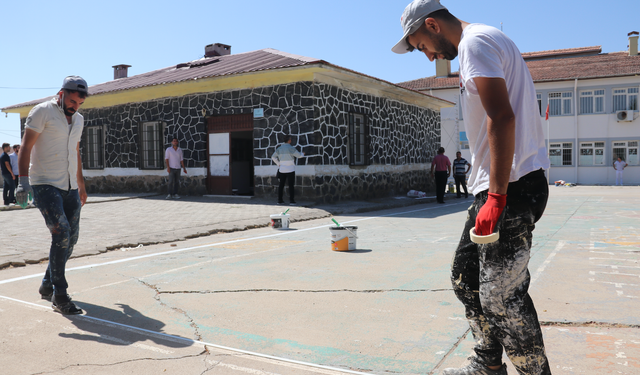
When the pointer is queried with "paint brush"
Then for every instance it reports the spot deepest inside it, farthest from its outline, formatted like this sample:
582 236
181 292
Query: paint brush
334 220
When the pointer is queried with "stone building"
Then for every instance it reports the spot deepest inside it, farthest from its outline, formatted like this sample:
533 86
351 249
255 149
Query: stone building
362 137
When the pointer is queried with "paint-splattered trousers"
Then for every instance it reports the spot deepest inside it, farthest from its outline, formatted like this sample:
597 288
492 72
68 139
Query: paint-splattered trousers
492 280
61 212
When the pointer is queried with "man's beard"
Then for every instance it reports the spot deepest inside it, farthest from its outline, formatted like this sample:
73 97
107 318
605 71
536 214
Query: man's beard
68 111
444 47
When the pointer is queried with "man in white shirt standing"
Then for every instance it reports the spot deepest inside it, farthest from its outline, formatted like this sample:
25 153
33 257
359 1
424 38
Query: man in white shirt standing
509 157
619 165
284 158
51 168
174 160
14 163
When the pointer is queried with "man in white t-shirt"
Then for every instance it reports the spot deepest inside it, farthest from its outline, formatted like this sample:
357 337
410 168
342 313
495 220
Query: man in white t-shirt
619 165
509 157
174 159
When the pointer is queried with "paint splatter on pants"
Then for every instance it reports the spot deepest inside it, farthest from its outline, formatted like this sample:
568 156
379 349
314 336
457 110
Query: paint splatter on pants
492 280
61 212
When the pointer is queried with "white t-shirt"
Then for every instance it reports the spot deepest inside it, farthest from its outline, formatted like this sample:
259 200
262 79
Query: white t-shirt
54 156
619 165
485 51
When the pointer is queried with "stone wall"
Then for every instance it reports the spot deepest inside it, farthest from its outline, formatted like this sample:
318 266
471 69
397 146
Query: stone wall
315 114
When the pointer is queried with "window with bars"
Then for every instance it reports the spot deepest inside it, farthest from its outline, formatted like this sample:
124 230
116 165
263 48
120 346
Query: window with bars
626 150
358 139
591 101
591 153
561 153
93 148
151 145
539 100
625 99
560 103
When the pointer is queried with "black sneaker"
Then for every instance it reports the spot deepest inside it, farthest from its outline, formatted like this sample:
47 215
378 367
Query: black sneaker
293 203
475 368
62 304
46 292
280 202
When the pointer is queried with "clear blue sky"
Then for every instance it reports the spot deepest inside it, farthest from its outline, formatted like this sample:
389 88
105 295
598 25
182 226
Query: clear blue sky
44 41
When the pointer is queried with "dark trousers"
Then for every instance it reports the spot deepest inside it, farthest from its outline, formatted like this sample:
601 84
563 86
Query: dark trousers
291 177
61 212
174 181
441 184
492 280
461 180
8 189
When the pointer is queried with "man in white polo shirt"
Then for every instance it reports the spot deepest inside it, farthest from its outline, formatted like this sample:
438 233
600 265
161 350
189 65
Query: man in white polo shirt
174 160
509 157
51 167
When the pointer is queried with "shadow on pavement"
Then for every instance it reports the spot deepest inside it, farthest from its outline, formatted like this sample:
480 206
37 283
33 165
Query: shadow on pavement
100 321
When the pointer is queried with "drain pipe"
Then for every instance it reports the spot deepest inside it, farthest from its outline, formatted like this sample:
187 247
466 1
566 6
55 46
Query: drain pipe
575 124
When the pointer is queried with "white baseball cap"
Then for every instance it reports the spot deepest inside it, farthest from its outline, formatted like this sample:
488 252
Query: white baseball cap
412 18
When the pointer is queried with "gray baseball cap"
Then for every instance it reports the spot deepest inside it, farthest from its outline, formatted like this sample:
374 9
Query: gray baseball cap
412 18
75 83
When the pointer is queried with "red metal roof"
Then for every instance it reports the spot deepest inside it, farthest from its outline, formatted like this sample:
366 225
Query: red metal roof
557 67
247 62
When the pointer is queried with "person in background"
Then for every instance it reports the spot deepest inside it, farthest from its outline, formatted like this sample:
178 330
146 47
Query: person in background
174 160
441 170
284 158
14 162
460 169
619 165
9 186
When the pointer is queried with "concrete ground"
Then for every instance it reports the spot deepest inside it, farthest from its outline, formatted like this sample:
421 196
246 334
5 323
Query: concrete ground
263 301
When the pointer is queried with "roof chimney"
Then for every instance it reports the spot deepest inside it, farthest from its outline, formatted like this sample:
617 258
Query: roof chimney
633 43
120 71
443 68
217 49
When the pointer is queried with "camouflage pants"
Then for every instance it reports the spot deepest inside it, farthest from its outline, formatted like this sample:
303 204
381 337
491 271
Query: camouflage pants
492 280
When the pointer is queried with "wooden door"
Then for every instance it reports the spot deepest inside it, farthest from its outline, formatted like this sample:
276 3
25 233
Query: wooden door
219 130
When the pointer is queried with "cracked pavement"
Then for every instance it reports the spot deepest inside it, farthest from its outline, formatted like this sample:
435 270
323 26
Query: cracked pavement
209 304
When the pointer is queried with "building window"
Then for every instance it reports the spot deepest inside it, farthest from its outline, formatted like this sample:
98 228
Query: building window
560 103
151 145
591 101
539 99
625 99
561 153
93 150
358 140
591 153
628 151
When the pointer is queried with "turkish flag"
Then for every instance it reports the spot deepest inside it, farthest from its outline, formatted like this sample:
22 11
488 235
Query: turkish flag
547 116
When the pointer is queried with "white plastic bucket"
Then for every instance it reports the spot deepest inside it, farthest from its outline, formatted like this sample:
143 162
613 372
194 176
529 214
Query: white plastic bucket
280 221
343 238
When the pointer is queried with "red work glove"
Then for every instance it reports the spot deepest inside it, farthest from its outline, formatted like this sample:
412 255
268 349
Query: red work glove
488 216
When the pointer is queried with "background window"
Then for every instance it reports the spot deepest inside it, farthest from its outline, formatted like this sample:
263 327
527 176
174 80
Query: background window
151 146
560 103
624 99
93 155
358 140
591 153
539 99
592 101
561 153
628 151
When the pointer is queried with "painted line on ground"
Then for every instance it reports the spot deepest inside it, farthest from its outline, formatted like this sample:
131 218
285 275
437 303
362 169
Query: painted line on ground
544 265
284 233
182 340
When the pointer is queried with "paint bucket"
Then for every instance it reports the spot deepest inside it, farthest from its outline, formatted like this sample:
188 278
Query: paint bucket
343 238
280 221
